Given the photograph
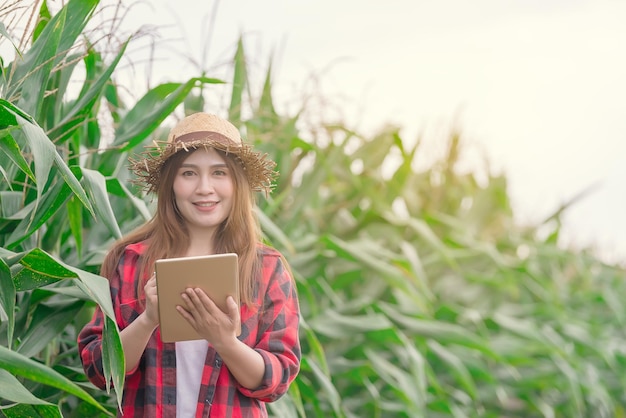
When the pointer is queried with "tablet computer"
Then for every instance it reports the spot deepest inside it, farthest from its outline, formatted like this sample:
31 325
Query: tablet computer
217 275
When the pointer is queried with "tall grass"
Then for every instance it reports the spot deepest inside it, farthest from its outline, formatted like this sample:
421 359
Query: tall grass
444 308
420 296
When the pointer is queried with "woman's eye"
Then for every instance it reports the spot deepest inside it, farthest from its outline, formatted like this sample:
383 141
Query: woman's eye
188 173
219 172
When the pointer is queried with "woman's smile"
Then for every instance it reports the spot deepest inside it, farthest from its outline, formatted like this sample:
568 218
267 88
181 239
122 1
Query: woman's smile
206 205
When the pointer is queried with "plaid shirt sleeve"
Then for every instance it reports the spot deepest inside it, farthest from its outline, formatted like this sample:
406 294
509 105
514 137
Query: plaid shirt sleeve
90 348
277 329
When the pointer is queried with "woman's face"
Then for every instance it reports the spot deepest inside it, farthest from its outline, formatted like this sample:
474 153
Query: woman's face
204 190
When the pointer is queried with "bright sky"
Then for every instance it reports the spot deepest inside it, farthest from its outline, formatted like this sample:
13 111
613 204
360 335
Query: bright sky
538 86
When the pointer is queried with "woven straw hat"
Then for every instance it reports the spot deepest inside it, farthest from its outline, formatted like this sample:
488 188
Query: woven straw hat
207 131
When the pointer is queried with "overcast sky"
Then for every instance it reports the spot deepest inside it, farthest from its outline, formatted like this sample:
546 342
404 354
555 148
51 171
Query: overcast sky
537 86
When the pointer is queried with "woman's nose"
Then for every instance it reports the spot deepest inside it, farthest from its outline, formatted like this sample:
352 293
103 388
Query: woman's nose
205 185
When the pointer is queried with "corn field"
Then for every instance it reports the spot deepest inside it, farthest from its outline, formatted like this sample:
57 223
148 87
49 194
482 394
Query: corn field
420 295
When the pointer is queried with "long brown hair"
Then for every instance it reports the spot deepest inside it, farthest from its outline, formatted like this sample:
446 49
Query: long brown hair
166 234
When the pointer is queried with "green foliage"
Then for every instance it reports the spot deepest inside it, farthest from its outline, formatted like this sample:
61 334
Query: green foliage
62 202
419 294
421 297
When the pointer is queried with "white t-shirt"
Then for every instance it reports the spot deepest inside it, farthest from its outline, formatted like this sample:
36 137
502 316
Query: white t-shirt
190 357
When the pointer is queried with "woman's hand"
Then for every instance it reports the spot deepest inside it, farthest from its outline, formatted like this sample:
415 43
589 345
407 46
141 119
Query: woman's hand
219 328
152 302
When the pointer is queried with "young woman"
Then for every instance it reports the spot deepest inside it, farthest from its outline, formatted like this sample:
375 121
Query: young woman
205 178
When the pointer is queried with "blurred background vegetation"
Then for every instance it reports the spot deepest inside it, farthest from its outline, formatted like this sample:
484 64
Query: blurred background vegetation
420 296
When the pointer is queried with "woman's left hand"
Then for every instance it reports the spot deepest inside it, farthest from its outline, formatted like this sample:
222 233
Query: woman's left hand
208 319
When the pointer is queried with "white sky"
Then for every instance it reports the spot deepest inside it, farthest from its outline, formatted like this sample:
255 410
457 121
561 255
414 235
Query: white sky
537 85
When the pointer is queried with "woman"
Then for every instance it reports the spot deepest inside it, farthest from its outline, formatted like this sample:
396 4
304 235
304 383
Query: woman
204 178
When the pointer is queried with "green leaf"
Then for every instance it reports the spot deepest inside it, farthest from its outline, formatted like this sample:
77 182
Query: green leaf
4 173
79 13
333 324
10 204
240 78
327 386
95 186
43 150
113 360
374 151
47 324
574 384
40 269
370 255
152 109
524 327
49 204
419 273
417 366
45 155
274 232
266 103
44 17
33 411
444 332
75 216
7 35
399 379
315 347
32 72
12 390
82 107
7 300
8 114
97 288
458 369
425 231
288 406
114 186
12 150
20 365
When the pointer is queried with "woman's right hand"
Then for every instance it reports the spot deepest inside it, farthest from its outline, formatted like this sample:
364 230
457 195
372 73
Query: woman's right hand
152 302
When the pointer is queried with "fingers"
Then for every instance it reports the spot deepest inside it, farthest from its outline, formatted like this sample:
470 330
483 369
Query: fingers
199 300
193 306
150 286
207 318
233 308
185 314
151 282
150 293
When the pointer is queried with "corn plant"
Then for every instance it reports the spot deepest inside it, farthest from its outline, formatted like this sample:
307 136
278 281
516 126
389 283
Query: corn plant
420 296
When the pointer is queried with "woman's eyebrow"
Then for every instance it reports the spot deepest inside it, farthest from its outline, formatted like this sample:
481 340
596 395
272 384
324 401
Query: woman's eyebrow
218 165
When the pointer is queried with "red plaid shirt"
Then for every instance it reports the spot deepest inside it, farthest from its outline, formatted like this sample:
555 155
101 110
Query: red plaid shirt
150 389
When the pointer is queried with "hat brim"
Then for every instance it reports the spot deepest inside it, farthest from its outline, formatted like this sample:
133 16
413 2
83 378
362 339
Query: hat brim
258 167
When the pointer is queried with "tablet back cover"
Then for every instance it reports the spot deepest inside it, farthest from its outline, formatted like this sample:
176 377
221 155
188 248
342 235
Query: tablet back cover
217 275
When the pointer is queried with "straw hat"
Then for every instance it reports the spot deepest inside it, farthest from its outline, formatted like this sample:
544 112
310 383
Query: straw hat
208 131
